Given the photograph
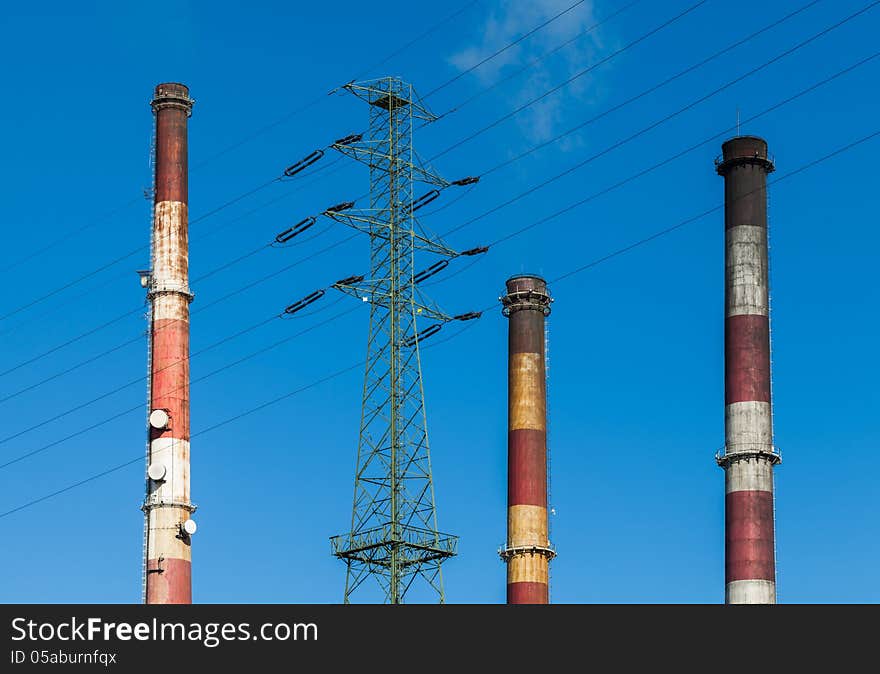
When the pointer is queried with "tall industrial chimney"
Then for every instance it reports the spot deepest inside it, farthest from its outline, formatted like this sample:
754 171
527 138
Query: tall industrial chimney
749 455
528 551
167 507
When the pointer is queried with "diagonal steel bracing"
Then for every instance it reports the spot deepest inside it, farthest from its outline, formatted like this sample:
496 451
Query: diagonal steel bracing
393 538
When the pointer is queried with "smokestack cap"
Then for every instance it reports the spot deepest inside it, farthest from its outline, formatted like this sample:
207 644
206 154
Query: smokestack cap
742 150
172 95
526 291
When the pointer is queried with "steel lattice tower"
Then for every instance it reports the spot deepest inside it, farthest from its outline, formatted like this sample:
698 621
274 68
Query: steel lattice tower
394 536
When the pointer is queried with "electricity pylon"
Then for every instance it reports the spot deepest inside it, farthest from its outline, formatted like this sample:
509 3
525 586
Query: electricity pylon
394 537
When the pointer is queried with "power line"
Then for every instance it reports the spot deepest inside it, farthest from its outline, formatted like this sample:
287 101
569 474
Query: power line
69 235
538 60
120 388
593 157
133 252
262 131
127 255
813 163
144 247
449 203
687 150
529 65
140 405
633 136
589 265
516 41
254 190
314 102
571 79
195 312
593 27
650 89
127 273
503 49
339 373
659 164
72 368
273 274
707 212
323 97
205 349
683 223
605 60
661 121
204 162
225 422
418 38
665 162
670 79
202 217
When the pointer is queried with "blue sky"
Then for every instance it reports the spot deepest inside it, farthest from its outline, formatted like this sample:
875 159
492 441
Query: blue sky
636 343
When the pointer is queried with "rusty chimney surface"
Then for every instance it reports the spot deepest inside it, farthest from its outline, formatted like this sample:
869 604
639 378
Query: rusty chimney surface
749 454
742 149
528 551
167 507
172 94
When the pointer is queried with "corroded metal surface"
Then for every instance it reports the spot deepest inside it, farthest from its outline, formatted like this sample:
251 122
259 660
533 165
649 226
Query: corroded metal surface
170 245
172 106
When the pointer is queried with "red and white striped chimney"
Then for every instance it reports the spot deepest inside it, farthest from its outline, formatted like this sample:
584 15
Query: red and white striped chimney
749 454
167 507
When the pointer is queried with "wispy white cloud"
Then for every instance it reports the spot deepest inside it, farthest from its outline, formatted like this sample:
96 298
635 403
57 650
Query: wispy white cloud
506 20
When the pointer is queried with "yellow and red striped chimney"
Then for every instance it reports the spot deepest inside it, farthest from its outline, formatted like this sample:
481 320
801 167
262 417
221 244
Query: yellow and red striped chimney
528 551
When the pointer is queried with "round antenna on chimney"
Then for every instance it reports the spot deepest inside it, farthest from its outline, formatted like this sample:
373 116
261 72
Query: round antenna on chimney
156 472
159 419
189 527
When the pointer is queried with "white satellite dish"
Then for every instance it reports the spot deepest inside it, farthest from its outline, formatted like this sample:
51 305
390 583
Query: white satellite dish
189 527
159 419
156 471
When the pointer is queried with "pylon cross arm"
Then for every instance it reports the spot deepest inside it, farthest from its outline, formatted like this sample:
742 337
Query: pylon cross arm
374 222
374 154
374 93
375 292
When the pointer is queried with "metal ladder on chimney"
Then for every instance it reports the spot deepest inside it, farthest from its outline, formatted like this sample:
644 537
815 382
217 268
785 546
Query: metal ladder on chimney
147 456
149 378
547 447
